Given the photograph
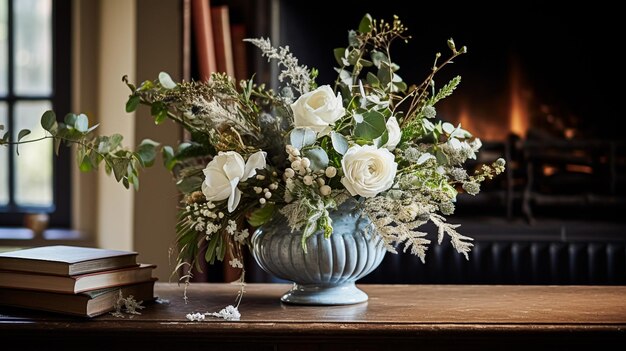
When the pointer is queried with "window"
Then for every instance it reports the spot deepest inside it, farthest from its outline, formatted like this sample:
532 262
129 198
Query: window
34 77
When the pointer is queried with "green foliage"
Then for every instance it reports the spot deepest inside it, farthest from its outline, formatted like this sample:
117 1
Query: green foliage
372 126
261 215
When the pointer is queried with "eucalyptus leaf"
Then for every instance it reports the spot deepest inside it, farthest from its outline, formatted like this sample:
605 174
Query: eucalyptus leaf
22 134
366 24
147 152
169 161
340 143
82 123
119 166
115 141
366 63
301 137
166 81
70 119
132 103
49 121
85 164
372 127
377 57
318 157
372 79
353 57
352 38
344 76
339 55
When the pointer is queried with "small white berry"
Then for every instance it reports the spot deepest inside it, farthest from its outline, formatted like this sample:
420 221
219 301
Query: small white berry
305 162
289 173
308 180
325 190
331 172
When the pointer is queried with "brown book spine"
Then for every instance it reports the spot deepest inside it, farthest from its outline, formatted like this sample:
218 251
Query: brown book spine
205 45
222 40
240 54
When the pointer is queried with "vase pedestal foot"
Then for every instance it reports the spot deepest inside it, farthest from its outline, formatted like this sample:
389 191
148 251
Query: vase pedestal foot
342 294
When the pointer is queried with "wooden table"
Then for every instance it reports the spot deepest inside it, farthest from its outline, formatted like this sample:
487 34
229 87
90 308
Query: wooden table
424 317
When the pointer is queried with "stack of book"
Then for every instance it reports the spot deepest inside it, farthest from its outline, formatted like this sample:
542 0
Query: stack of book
73 280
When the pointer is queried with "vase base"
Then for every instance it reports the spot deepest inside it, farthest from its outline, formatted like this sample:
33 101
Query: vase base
344 294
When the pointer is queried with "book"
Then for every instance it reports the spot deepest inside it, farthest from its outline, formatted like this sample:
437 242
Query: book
66 260
222 40
240 54
203 32
87 304
76 283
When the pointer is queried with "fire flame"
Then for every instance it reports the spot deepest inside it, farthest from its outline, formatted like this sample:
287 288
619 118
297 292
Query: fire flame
518 115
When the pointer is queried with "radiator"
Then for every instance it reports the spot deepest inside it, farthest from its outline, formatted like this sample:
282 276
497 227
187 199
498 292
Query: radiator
509 262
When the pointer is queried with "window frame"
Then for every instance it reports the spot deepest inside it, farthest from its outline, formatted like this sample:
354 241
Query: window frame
12 215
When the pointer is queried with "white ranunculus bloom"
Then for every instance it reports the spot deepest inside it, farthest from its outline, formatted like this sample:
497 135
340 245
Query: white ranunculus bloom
318 109
225 171
394 132
368 170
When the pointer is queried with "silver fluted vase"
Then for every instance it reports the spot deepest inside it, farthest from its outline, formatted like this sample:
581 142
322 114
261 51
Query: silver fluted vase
326 273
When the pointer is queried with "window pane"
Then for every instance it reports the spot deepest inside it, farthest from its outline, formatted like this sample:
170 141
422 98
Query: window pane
33 51
4 48
4 159
33 166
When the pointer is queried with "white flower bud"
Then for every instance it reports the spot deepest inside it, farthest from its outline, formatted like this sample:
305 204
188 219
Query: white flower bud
289 173
331 172
305 162
268 195
320 181
257 190
266 190
260 177
296 164
325 190
262 201
308 180
220 215
273 186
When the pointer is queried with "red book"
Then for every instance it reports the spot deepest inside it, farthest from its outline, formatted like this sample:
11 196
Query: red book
240 55
222 39
203 31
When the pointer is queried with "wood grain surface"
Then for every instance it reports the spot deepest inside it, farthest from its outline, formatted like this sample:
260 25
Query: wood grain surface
396 317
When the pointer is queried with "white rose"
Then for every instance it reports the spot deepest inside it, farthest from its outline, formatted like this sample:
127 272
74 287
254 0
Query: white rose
368 170
225 171
394 132
318 109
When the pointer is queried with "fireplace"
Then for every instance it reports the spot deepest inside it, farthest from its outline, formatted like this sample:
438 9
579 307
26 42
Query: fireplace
540 87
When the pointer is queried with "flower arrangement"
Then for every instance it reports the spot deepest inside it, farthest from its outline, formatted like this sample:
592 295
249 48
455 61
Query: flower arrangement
299 152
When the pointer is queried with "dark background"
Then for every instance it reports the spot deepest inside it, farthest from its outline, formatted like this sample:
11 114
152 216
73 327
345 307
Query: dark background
567 55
